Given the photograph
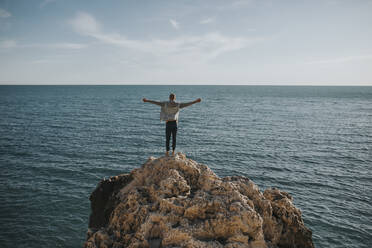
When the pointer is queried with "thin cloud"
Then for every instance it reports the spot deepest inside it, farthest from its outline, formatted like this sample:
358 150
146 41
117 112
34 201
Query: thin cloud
241 3
85 24
4 13
237 4
338 60
6 44
63 45
174 23
201 47
41 61
46 2
207 20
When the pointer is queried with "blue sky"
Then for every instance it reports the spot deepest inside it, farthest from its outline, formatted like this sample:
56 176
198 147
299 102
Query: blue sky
325 42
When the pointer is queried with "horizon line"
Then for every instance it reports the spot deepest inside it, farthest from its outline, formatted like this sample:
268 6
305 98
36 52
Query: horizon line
175 84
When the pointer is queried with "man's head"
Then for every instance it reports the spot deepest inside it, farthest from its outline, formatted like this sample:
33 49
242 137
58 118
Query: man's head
172 97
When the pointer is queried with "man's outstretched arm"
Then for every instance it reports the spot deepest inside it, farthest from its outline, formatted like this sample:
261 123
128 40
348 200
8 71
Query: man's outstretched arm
153 102
186 104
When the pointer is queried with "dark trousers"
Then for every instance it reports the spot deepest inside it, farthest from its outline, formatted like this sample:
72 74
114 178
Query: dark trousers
170 129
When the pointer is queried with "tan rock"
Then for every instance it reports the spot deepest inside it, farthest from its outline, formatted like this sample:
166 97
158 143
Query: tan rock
177 202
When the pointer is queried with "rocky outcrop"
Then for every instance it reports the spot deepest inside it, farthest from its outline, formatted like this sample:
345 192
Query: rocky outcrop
177 202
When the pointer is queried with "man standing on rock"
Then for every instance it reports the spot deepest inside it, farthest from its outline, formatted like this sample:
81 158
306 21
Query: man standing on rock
169 113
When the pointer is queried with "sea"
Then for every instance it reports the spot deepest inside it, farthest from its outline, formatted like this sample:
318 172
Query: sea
58 142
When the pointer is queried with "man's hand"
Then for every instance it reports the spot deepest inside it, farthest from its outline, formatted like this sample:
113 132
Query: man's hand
198 100
144 100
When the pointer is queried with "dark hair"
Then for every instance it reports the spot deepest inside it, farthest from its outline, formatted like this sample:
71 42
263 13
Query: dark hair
172 96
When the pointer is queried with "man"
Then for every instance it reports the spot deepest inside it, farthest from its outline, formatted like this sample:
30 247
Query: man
169 113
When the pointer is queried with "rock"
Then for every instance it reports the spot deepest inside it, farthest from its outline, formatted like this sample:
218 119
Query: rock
177 202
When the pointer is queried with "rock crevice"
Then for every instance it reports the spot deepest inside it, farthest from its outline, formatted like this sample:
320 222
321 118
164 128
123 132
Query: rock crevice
177 202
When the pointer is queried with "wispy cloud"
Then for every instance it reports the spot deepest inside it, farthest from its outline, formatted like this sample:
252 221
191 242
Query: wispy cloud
236 4
85 24
5 44
4 13
41 61
338 60
174 23
207 20
46 2
61 45
201 47
241 3
8 44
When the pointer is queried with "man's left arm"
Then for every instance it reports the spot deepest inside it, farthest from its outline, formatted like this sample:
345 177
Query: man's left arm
186 104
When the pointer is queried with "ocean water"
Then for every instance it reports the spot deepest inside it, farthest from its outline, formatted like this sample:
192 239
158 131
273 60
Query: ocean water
57 142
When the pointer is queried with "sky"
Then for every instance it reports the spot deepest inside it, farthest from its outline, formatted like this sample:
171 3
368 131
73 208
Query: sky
259 42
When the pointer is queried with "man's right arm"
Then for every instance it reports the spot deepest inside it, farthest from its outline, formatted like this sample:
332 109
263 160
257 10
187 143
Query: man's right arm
153 102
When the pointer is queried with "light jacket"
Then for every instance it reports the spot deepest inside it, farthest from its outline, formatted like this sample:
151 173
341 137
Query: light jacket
171 109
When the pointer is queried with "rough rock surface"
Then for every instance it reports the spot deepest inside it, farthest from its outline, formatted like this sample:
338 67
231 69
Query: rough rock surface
177 202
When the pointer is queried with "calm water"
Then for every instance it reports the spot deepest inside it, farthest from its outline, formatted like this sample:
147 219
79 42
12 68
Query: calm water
57 142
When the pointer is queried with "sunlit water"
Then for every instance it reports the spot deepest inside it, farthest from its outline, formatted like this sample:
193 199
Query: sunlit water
57 142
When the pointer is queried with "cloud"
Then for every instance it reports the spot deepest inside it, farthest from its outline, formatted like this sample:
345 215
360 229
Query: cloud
207 20
5 44
193 47
174 23
241 3
4 13
46 2
338 60
85 24
237 4
41 61
62 45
